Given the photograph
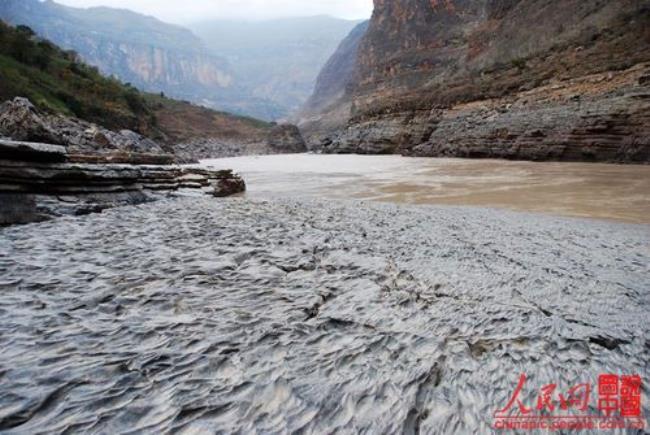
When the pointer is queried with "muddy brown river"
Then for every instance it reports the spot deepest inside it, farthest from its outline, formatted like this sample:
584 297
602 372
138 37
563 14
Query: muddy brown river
604 191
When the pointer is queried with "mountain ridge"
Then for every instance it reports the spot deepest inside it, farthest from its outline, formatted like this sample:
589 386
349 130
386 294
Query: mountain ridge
62 86
268 83
276 61
140 50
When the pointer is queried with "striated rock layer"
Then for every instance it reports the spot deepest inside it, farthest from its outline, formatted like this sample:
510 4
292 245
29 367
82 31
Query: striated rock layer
521 79
38 182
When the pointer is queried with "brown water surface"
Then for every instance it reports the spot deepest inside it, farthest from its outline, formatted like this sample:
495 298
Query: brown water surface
603 191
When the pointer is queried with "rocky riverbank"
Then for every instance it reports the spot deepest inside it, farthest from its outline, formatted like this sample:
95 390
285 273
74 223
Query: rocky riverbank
280 139
42 181
191 136
20 120
602 117
238 315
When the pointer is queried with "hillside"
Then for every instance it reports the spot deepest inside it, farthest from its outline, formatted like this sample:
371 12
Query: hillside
328 107
518 79
57 82
183 122
141 50
263 69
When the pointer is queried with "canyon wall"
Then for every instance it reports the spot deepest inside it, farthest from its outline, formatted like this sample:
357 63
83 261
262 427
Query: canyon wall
520 79
141 50
328 107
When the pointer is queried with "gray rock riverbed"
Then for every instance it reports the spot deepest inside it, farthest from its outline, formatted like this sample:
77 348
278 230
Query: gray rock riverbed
244 316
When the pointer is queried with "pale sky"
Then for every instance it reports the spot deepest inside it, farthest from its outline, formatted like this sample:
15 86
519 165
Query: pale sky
184 11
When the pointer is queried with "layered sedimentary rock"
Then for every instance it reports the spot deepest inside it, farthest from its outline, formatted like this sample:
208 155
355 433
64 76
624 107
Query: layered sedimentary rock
38 182
525 79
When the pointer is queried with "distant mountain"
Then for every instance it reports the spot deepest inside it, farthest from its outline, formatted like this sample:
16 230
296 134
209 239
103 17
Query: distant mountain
58 83
149 54
262 69
276 62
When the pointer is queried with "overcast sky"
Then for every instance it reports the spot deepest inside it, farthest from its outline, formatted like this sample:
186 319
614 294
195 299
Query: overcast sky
184 11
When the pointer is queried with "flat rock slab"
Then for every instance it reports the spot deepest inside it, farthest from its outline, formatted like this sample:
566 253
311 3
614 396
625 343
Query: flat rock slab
31 151
247 316
40 185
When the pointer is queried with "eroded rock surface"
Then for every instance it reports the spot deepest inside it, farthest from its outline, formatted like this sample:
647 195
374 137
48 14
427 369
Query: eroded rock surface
38 182
310 316
524 79
21 121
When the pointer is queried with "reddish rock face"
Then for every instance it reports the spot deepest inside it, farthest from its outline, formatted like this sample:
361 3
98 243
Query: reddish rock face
419 59
416 44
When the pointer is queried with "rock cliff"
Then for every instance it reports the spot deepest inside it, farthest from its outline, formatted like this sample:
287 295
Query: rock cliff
141 50
520 79
286 138
328 107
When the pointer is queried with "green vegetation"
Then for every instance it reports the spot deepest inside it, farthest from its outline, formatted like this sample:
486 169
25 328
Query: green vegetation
57 81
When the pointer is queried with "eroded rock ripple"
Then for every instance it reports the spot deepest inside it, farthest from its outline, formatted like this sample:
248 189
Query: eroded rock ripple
251 316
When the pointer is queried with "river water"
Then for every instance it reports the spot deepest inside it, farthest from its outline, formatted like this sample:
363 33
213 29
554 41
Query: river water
605 191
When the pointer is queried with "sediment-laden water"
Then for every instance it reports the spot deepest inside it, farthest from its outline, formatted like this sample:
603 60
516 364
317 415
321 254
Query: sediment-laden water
604 191
248 316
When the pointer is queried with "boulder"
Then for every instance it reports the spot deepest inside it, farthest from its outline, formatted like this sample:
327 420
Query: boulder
228 186
134 142
286 138
224 182
19 120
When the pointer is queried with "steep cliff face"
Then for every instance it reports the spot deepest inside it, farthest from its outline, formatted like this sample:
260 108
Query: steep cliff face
141 50
534 79
147 66
329 106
